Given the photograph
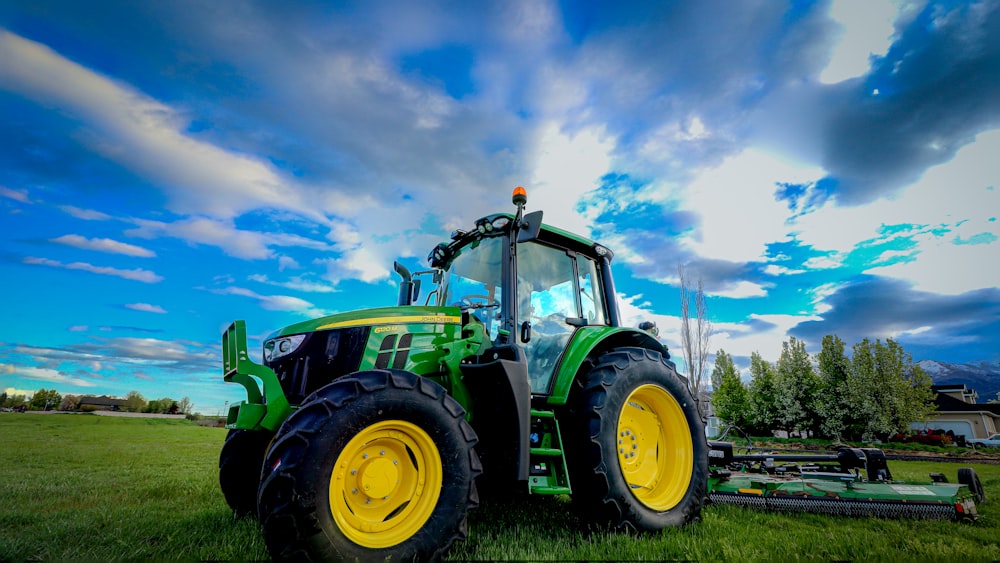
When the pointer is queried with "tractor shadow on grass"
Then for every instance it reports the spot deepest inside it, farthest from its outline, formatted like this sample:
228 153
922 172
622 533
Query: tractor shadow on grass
525 527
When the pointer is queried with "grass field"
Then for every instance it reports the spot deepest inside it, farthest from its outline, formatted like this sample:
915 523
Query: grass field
103 488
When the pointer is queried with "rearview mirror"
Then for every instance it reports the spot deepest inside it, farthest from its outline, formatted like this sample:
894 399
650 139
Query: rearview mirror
530 225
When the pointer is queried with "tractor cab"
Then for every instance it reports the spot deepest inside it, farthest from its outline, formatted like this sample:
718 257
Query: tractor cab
532 287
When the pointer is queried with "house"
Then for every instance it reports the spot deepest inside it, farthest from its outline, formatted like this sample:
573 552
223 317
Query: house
103 403
958 411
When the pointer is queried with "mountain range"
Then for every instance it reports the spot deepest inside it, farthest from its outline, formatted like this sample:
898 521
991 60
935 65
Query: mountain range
982 377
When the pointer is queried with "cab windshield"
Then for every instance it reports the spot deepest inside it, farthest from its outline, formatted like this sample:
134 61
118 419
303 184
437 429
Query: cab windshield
473 280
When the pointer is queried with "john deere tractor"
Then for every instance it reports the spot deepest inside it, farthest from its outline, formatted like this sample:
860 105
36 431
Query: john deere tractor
365 434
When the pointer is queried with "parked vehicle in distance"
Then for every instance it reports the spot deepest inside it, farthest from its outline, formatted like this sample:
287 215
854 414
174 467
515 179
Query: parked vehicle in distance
991 442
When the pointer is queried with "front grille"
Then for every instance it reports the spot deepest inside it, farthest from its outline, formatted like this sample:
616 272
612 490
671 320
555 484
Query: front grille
321 358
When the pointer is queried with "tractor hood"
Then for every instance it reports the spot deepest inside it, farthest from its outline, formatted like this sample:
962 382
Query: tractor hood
382 316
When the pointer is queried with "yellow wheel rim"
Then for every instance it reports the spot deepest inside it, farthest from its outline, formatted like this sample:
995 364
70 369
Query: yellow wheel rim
655 448
385 484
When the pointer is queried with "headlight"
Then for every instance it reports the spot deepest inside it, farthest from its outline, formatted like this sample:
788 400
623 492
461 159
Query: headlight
278 347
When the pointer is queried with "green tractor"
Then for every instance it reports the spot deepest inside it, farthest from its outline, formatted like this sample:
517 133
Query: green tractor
366 434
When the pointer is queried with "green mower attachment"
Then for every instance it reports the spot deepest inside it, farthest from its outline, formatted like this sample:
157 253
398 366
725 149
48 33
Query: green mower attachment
848 482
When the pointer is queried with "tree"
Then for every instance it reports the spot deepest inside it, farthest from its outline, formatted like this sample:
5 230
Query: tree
833 400
159 406
796 385
69 403
45 399
729 395
184 406
888 390
135 402
762 397
694 340
14 401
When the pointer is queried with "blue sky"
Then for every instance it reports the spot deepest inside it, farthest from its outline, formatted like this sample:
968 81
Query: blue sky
167 167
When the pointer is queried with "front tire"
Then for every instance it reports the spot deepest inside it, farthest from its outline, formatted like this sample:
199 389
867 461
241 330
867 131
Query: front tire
239 469
379 465
641 456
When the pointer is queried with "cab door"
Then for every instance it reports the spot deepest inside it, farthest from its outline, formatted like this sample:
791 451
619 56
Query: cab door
556 294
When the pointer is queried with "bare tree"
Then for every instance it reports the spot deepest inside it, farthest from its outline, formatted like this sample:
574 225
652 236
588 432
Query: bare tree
694 339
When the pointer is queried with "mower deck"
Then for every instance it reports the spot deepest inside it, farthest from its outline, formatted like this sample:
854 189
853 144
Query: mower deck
835 484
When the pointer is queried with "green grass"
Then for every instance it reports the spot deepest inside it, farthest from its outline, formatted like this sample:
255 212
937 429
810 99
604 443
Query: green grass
101 488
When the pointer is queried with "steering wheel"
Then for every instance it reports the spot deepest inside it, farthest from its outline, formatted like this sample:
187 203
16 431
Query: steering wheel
473 302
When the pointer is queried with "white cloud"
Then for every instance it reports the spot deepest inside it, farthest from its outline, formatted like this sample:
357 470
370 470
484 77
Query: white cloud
223 234
362 263
958 198
285 262
45 374
821 293
567 167
741 340
740 290
830 262
147 137
85 214
736 201
276 302
201 230
104 245
764 336
775 270
16 195
867 30
889 255
137 274
296 283
146 307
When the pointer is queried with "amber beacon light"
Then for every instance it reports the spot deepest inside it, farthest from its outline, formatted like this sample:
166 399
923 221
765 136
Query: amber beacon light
520 196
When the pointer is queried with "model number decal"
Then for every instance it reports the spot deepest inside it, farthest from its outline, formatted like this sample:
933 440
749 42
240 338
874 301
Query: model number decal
912 490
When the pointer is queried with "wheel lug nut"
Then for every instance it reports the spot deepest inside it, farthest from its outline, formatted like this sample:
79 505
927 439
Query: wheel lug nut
381 452
354 491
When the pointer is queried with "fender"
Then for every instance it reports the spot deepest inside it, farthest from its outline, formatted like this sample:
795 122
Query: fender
589 342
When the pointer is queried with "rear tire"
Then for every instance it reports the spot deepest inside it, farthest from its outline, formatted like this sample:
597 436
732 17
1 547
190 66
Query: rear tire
640 459
968 477
379 465
239 468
